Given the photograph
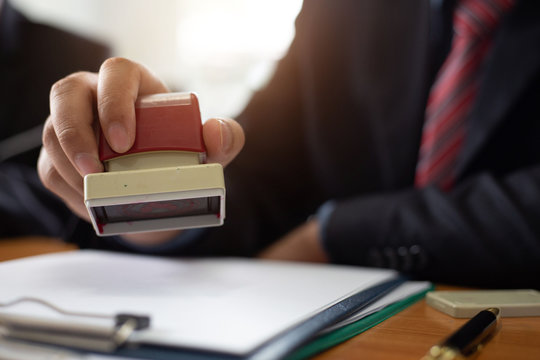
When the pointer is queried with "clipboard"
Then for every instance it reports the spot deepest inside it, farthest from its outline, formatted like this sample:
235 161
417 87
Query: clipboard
305 324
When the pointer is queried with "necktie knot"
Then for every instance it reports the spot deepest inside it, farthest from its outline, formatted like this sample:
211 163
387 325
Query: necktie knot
478 18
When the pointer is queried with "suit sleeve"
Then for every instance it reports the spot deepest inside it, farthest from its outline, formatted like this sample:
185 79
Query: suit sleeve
485 232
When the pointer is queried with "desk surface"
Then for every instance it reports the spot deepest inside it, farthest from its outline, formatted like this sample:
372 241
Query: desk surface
408 335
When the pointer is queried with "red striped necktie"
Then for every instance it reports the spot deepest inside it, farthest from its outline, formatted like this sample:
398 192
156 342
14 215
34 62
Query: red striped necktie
452 95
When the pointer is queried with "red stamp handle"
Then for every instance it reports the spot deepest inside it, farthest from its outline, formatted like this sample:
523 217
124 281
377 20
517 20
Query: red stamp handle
165 122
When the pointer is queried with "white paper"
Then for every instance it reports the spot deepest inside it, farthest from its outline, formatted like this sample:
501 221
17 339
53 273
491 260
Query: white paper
222 304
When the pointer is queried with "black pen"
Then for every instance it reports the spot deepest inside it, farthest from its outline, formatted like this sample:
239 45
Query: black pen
467 339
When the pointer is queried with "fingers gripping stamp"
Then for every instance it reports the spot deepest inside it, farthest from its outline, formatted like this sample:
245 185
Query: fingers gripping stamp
163 182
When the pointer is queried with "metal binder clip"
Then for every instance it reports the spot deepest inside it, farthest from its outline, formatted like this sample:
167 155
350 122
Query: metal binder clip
73 335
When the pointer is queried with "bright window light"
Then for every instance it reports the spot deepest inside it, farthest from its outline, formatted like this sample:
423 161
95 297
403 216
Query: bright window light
221 49
232 47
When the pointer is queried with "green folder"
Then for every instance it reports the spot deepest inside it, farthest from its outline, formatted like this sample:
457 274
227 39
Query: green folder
326 341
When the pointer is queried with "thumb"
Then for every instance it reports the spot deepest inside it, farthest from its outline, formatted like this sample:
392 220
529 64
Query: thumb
224 139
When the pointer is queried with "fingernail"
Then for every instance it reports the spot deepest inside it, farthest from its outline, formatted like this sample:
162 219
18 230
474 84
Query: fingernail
225 135
118 137
87 164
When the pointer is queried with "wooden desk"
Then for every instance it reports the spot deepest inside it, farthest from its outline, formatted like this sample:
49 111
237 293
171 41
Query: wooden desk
22 247
408 335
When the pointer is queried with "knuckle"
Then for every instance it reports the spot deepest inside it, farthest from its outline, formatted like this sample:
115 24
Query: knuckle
111 108
67 86
62 136
68 136
109 104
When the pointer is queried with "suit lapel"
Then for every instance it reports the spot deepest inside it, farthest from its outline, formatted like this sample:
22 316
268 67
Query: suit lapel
513 62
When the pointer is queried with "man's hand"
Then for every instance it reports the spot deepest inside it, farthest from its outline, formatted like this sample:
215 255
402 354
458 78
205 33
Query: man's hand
302 244
83 102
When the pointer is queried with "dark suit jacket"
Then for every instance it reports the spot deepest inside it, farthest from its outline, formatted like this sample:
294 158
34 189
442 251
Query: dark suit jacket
341 120
32 58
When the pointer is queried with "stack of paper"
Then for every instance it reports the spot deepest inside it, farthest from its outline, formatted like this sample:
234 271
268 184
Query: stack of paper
220 305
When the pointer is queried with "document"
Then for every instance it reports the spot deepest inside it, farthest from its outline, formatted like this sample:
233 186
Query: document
223 305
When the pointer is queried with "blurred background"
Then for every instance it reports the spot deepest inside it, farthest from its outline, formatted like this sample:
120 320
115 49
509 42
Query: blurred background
221 49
